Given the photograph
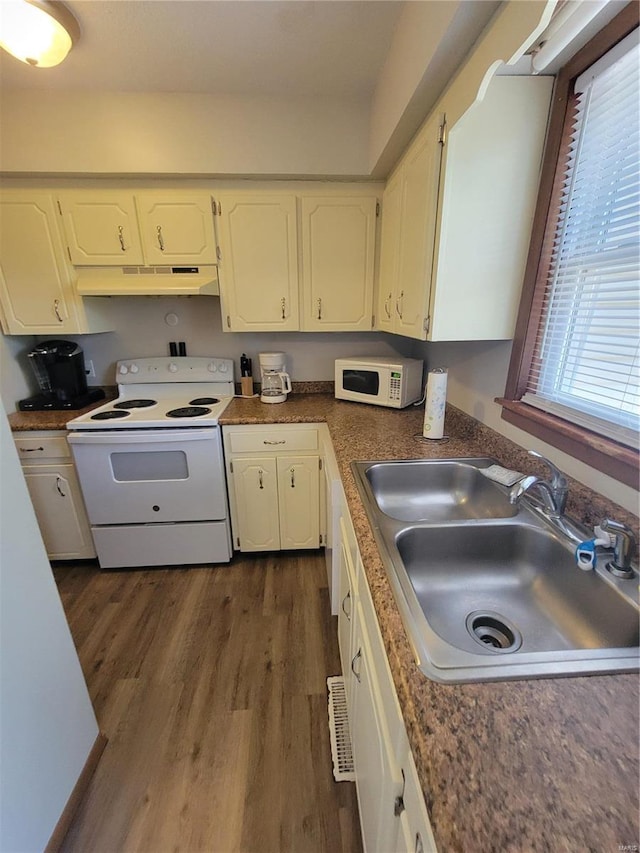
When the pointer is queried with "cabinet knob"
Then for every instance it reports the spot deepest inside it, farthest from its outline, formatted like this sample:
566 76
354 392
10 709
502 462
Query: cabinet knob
123 369
173 368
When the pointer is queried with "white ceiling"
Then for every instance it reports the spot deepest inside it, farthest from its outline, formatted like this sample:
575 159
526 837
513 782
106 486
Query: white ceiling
330 48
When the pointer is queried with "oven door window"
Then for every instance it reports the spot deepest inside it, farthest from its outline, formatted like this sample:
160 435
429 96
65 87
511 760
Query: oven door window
133 466
361 381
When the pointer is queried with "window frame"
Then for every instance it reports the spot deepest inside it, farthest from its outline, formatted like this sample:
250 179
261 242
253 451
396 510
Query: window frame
603 454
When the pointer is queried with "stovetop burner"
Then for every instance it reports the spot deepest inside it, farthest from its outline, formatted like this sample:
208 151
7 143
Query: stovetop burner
109 415
135 404
203 401
188 412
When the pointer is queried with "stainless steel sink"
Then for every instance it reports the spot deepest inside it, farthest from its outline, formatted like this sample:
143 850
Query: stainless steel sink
442 490
489 598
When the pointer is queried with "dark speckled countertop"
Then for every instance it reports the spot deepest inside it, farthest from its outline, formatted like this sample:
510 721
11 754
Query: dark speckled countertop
539 765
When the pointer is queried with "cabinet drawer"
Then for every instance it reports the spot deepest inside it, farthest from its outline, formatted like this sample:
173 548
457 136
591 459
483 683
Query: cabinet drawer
42 447
273 440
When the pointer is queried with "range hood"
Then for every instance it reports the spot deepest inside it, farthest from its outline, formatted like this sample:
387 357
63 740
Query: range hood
148 281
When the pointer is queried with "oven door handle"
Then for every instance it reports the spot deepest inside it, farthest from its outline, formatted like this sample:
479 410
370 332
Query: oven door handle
142 436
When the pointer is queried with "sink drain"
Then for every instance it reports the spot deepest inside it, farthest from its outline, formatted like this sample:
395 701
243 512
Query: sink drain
493 632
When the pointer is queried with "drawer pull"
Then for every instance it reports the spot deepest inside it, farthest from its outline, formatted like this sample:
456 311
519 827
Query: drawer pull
292 471
32 449
274 442
344 609
357 655
386 307
160 238
283 307
260 482
56 308
60 492
121 238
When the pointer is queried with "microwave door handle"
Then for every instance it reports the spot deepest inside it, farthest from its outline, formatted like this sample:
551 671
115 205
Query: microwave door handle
143 436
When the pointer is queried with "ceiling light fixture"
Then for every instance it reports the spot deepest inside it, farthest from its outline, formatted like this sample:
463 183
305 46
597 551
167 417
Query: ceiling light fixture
38 32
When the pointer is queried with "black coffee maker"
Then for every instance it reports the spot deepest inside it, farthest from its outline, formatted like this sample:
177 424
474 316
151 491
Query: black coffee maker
59 369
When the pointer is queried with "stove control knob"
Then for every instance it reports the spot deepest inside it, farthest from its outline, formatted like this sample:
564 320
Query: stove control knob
173 368
223 367
212 367
123 369
134 368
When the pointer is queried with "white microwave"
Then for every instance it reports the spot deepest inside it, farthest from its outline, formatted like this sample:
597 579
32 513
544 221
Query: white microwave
393 382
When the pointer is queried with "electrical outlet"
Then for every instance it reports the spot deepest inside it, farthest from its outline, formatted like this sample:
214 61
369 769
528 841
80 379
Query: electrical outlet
89 369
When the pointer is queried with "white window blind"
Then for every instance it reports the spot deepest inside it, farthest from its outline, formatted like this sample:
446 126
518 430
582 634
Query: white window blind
586 364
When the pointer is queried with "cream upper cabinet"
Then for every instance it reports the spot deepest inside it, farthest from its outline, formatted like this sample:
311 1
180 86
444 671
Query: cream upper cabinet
409 207
101 228
389 253
37 293
338 255
490 185
457 214
258 262
176 228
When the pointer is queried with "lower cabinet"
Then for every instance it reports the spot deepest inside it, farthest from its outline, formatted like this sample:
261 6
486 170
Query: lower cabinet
393 815
56 496
274 487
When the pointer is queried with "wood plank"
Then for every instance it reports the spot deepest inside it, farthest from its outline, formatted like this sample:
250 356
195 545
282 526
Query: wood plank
210 683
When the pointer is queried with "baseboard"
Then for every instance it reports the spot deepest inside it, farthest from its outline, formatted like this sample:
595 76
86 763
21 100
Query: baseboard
64 822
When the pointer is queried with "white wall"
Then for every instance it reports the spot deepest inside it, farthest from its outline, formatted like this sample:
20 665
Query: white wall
47 724
16 377
180 134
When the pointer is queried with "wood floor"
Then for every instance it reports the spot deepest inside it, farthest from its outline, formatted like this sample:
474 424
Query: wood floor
210 684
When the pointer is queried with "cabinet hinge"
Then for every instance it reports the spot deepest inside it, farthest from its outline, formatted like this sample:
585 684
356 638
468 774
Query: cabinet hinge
426 324
228 321
442 133
59 206
377 208
231 467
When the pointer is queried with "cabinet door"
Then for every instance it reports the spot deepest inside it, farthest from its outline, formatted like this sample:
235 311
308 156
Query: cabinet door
338 251
57 500
389 253
177 229
256 497
36 291
101 228
378 780
299 501
259 262
346 611
421 172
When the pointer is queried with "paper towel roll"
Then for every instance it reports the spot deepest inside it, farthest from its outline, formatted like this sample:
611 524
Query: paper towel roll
435 404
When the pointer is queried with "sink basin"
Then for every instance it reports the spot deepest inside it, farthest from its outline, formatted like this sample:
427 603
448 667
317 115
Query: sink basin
439 490
526 583
488 591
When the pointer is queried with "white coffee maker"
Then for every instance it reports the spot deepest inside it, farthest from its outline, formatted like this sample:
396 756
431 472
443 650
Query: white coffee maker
276 382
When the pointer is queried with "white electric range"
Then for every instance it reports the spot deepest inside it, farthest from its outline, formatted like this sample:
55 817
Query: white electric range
150 464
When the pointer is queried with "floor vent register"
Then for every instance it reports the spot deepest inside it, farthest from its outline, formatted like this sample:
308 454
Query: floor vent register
341 752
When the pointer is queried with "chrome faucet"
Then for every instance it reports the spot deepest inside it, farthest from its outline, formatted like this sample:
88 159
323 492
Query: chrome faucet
552 493
623 549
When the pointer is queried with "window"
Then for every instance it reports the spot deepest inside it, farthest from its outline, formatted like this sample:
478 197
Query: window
575 372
